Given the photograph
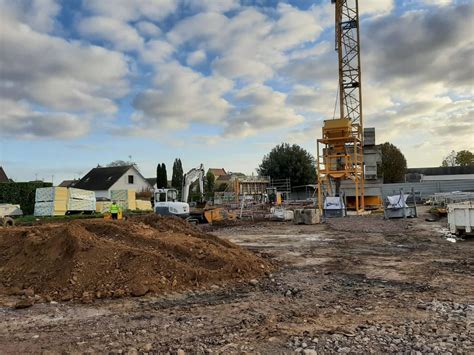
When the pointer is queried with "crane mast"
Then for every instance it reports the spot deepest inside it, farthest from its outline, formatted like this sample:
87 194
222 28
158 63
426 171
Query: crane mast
348 48
340 150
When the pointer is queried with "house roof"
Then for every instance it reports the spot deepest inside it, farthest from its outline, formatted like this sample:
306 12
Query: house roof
224 178
217 171
3 176
151 181
102 178
68 183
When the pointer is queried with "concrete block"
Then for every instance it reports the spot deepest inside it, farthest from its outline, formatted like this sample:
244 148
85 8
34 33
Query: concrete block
306 216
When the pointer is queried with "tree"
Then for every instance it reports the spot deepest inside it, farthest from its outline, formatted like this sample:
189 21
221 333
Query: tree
161 176
210 183
394 164
464 158
449 160
289 161
177 177
461 158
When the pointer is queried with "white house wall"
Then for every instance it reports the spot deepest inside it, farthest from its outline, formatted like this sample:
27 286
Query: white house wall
103 193
139 183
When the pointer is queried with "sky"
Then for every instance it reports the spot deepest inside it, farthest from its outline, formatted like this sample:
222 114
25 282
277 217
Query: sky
221 82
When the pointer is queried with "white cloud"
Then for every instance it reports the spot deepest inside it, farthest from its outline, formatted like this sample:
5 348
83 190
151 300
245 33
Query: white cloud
249 45
437 2
376 7
147 28
211 5
258 108
196 58
52 74
180 97
131 10
156 52
123 36
21 122
38 14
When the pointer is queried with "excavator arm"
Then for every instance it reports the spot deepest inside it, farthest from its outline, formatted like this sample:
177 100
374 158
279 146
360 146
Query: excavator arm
195 174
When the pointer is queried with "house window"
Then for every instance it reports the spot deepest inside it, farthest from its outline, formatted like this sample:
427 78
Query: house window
130 179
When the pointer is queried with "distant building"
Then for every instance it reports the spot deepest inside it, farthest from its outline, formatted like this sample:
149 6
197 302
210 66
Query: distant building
103 180
440 173
3 175
68 183
217 172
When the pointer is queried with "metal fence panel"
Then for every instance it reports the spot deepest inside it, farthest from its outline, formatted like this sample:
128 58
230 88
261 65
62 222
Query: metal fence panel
427 188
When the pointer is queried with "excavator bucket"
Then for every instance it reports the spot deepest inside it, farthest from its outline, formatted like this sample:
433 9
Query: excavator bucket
218 214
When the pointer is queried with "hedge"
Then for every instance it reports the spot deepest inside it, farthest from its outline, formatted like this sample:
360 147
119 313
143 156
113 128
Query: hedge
21 193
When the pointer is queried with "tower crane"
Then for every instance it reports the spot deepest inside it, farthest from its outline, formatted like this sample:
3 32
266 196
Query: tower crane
340 150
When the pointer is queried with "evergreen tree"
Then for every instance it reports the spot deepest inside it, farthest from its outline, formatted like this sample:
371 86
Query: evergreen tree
177 177
158 175
161 176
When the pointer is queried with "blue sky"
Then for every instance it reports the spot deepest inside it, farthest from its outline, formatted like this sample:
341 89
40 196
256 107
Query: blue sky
220 82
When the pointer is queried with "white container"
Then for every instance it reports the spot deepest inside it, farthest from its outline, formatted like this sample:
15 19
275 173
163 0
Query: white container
461 217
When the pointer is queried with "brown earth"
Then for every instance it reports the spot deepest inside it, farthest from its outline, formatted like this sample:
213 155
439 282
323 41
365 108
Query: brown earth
358 285
97 259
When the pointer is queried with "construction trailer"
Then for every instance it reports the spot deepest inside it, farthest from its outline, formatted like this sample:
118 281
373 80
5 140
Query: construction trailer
340 153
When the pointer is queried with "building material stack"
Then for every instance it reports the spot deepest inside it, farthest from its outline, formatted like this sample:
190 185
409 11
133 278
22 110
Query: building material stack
126 199
51 201
143 205
81 200
102 206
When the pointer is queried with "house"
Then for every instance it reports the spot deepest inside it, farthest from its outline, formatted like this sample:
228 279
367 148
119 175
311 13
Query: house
3 176
103 180
217 172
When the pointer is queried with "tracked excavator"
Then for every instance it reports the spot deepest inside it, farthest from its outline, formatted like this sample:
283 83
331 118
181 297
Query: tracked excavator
167 203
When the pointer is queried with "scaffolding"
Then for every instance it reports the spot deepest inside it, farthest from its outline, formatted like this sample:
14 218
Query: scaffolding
340 150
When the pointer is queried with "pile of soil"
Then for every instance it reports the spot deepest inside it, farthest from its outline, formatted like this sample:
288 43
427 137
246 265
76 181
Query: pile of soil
87 259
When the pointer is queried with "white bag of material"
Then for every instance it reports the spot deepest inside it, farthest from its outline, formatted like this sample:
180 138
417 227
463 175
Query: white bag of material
397 201
333 203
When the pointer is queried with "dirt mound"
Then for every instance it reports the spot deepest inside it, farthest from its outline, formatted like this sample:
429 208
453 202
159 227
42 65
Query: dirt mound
96 258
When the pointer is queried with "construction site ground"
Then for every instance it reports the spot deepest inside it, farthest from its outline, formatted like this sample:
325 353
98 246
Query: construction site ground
353 285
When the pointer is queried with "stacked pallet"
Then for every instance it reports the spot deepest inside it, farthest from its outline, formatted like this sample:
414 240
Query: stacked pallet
126 199
51 201
102 206
143 205
81 200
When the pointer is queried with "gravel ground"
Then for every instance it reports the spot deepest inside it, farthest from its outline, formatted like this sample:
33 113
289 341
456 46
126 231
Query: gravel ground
366 290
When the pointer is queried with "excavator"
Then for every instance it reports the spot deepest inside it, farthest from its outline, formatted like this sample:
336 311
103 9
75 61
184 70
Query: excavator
167 203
